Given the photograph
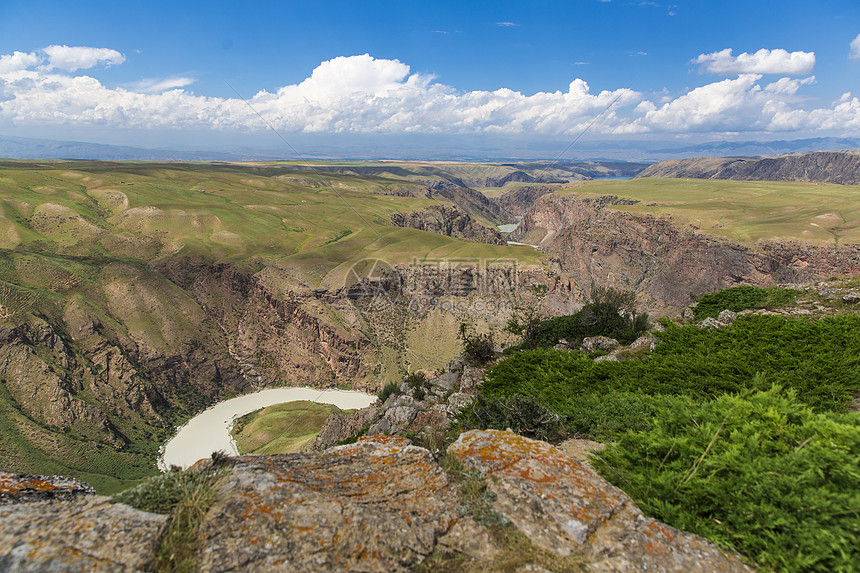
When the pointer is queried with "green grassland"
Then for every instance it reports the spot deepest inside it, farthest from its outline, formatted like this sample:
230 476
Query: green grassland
223 212
744 211
281 428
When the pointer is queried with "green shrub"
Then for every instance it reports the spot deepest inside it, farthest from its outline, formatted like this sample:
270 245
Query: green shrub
759 473
388 390
477 348
610 313
741 298
522 414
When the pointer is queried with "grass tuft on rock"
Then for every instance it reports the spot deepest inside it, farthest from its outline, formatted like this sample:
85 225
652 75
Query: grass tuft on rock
184 495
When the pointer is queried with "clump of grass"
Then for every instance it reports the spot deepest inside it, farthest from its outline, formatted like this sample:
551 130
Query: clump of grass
186 496
515 551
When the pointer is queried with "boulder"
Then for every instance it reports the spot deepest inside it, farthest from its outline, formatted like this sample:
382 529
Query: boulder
727 316
25 488
376 505
711 323
592 344
89 534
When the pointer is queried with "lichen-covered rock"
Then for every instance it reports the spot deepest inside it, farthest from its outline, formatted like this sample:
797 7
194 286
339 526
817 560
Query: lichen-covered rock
593 344
376 505
85 535
469 539
25 488
564 507
727 316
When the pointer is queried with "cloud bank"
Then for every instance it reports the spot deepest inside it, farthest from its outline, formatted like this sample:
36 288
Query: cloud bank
762 62
362 94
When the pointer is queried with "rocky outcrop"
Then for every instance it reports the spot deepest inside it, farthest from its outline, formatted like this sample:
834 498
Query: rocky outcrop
823 166
565 508
375 505
472 202
421 404
448 221
665 264
519 200
338 427
378 505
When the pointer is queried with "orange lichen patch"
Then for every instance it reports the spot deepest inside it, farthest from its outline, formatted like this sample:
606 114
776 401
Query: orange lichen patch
17 483
385 440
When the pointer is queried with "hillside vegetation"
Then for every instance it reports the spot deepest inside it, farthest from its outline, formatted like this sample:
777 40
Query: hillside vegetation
282 428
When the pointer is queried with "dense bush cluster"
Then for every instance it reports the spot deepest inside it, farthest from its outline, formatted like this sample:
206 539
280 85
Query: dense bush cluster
741 298
610 313
477 348
819 359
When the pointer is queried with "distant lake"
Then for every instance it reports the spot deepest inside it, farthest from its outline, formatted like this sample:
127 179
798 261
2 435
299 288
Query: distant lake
619 178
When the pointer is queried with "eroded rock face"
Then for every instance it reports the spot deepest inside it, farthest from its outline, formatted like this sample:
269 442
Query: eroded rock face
86 535
666 264
564 507
377 505
448 221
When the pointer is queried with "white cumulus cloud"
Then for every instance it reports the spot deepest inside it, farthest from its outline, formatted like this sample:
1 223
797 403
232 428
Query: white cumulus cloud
73 58
761 62
362 94
18 61
854 52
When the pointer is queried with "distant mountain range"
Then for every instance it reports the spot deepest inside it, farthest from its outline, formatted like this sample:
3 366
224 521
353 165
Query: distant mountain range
443 148
841 167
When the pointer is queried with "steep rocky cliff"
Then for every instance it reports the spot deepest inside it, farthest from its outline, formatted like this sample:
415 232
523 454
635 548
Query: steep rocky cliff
824 167
664 263
94 381
448 221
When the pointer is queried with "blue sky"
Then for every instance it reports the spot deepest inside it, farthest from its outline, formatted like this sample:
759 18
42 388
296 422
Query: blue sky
156 73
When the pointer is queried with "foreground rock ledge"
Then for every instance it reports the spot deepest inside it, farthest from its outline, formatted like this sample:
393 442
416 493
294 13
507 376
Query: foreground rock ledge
564 507
378 505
